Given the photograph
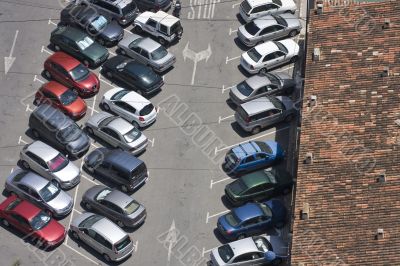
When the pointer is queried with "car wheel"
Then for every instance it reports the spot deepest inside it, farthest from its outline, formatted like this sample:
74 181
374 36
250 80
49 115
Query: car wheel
256 130
263 70
47 74
86 62
56 47
5 223
135 124
294 59
162 41
88 206
138 29
75 235
122 51
289 118
279 225
89 131
241 236
124 188
25 164
293 33
35 134
106 257
120 224
106 107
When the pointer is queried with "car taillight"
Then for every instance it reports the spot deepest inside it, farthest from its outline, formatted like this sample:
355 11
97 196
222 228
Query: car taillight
141 118
228 232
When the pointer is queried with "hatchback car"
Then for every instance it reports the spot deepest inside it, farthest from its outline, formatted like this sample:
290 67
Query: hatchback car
41 192
263 84
117 132
264 112
133 75
32 222
79 45
107 32
131 106
252 9
265 56
102 235
63 98
252 155
252 219
71 73
50 163
123 11
147 51
260 185
269 28
115 205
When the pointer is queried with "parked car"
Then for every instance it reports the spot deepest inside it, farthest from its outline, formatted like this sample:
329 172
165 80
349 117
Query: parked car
115 205
131 106
71 73
153 5
260 85
260 185
123 11
162 26
117 132
252 219
252 9
63 98
265 56
256 250
32 222
252 155
107 32
79 45
58 130
147 51
102 235
269 28
264 112
45 194
133 75
118 166
50 163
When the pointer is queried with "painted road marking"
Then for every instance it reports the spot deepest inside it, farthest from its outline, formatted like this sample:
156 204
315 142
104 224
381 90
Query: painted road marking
220 119
51 22
227 88
218 181
35 78
128 31
86 257
46 51
87 178
217 214
151 141
206 251
21 140
235 5
230 59
72 214
28 108
231 31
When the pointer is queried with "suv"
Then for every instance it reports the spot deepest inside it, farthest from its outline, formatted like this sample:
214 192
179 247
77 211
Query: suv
153 5
164 27
123 11
57 129
119 166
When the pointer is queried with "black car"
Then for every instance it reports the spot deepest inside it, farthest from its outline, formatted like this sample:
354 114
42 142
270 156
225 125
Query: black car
133 75
153 5
107 32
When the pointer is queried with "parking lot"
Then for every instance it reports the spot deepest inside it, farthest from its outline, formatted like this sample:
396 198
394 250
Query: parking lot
185 186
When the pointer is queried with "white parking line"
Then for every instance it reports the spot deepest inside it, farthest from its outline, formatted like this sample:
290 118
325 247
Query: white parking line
81 167
45 50
72 214
217 214
92 108
28 108
206 251
224 118
88 179
77 211
35 78
151 141
230 59
227 88
106 82
86 257
114 54
21 140
51 22
94 145
218 181
234 5
136 245
231 31
127 31
12 170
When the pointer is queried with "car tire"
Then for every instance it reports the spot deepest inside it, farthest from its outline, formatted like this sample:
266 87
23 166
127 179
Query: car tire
86 62
256 130
47 74
25 164
294 59
263 70
289 118
106 257
138 29
89 131
35 134
57 48
293 33
279 225
162 41
122 51
5 223
241 236
87 206
106 107
135 124
120 224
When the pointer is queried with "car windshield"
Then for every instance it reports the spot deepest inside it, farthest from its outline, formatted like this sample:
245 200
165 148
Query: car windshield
277 2
246 7
122 244
238 187
244 88
90 221
68 97
70 133
281 47
159 53
102 194
79 73
262 244
128 9
251 28
147 109
135 42
85 43
118 96
274 79
225 252
254 55
132 135
57 163
49 192
265 209
40 221
99 23
264 147
232 219
277 103
131 207
269 176
280 20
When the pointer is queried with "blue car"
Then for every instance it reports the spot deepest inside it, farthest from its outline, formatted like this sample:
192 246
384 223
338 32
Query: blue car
252 155
252 219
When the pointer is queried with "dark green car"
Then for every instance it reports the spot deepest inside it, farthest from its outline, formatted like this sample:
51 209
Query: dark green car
259 185
79 45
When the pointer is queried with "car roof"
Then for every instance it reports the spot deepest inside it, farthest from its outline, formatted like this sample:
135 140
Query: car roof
54 87
162 17
135 100
243 246
248 211
118 198
26 210
136 68
65 60
257 81
119 3
33 180
70 32
122 159
244 149
265 21
42 150
108 230
52 116
257 106
254 3
148 44
266 48
120 125
254 179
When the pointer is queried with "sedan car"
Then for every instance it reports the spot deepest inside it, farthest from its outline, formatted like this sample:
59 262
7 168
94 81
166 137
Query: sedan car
71 73
263 84
107 32
269 28
115 205
252 219
265 56
32 222
62 98
79 45
41 192
131 106
133 75
50 163
256 250
260 185
117 132
252 9
147 51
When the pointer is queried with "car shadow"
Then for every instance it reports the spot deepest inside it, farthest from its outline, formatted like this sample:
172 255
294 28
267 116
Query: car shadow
240 19
219 237
240 45
235 126
243 72
226 202
231 104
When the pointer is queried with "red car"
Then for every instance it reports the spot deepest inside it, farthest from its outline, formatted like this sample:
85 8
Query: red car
62 98
31 221
71 73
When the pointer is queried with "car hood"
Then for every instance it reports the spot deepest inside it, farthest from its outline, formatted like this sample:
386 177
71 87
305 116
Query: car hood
287 102
61 201
96 119
75 222
95 51
292 47
53 231
112 30
278 209
76 107
90 81
128 39
68 173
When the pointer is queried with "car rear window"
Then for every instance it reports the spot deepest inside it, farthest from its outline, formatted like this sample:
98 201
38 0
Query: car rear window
274 79
262 244
277 2
280 20
251 28
132 135
123 244
176 27
232 219
147 109
265 209
225 252
254 55
244 88
159 53
118 96
277 103
57 163
242 113
90 221
281 47
246 7
131 207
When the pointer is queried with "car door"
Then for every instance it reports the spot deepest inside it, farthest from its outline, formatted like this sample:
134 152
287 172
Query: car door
110 136
111 210
274 116
23 191
251 226
280 31
264 191
37 164
267 33
20 223
125 110
151 26
280 58
104 247
264 223
268 60
90 240
250 194
144 57
261 158
134 52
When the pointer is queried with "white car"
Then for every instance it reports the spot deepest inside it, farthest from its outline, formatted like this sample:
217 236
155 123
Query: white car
131 106
252 9
268 55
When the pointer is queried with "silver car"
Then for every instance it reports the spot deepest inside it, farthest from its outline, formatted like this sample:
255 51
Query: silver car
50 163
264 112
269 28
102 235
41 192
147 51
115 205
263 84
117 132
